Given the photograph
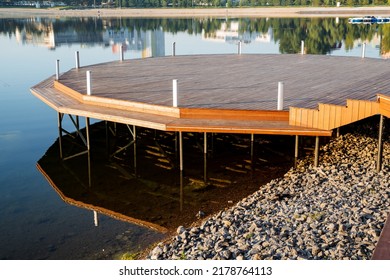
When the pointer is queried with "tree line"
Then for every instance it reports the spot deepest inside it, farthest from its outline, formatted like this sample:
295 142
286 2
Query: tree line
210 3
321 35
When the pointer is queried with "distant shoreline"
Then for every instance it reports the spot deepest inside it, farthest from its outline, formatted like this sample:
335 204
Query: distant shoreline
199 12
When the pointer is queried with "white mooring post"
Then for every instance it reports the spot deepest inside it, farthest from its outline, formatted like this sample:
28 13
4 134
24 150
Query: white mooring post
280 95
364 50
77 57
122 55
89 83
174 92
57 69
302 47
174 49
239 47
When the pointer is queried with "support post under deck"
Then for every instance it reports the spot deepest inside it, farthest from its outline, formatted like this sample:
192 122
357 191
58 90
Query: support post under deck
380 145
60 116
252 152
205 157
296 152
88 150
181 170
135 150
181 151
316 151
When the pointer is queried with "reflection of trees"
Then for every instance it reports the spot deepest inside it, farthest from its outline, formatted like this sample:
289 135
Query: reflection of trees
385 42
320 35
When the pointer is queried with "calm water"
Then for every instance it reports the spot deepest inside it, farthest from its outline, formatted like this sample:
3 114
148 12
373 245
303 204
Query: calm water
35 223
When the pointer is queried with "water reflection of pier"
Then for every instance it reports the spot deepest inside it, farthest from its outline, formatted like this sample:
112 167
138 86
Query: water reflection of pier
138 182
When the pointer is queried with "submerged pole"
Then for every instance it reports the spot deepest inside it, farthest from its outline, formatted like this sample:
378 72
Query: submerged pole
380 145
135 150
174 49
239 47
77 57
57 69
252 152
89 83
88 151
302 47
174 93
280 95
205 157
60 116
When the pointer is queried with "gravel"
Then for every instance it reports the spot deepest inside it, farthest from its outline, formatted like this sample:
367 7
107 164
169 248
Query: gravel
333 211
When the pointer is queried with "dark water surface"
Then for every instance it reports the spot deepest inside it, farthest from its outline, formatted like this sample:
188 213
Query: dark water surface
35 222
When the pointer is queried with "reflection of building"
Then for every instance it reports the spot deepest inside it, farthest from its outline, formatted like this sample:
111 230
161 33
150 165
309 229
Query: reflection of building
43 34
230 33
151 43
375 43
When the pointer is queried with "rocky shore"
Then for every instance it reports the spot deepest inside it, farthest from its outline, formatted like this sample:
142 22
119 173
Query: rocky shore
333 211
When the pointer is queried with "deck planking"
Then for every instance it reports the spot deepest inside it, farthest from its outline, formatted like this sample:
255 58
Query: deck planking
222 93
64 103
237 81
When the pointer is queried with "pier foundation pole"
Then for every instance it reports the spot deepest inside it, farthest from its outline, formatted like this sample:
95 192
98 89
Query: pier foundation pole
317 151
302 47
181 151
296 152
60 117
205 157
107 139
135 150
88 151
380 144
181 169
252 153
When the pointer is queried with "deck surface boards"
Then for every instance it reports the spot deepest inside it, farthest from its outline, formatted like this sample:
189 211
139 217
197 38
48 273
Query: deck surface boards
231 82
237 81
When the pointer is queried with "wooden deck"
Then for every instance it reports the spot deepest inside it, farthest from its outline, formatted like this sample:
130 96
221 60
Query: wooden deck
224 93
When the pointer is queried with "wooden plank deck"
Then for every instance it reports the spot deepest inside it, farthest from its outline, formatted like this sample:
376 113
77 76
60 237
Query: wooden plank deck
247 82
225 93
66 104
384 105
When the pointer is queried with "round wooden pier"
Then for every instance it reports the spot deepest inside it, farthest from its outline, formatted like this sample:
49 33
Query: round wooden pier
253 94
224 93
